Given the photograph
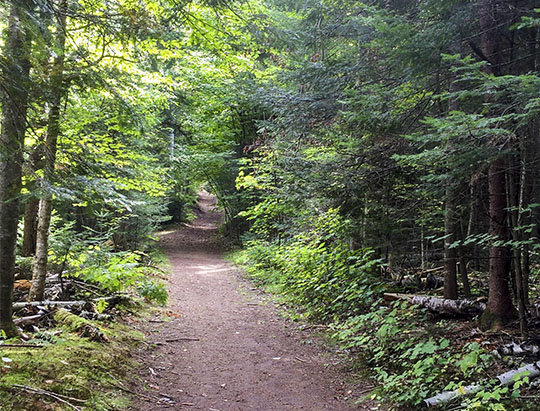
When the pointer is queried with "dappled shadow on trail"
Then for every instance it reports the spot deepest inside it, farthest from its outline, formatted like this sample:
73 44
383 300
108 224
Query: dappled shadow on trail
221 345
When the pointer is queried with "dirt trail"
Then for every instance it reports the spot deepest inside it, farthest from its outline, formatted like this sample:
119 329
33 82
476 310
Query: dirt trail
238 354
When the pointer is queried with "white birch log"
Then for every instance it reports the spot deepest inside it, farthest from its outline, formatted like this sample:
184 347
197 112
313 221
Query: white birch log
447 306
24 304
508 378
81 303
441 305
517 349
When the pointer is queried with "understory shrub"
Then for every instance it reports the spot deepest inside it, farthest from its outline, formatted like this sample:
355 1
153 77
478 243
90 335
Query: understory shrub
119 271
317 270
93 257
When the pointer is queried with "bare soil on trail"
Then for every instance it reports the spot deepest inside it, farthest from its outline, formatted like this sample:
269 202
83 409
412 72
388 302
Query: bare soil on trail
226 347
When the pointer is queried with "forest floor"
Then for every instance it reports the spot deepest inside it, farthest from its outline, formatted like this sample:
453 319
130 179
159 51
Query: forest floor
223 345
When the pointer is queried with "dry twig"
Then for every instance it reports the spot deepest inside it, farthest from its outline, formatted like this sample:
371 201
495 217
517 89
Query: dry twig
58 397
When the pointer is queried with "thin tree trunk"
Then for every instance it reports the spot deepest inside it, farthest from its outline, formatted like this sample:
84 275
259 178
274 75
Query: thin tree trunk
463 274
15 72
451 218
462 250
473 220
462 266
515 212
31 205
528 179
422 251
537 51
53 130
450 254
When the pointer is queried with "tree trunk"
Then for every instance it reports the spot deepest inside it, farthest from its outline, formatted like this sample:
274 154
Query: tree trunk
515 217
464 275
528 179
452 217
15 72
462 251
53 130
450 254
472 224
31 205
500 309
30 227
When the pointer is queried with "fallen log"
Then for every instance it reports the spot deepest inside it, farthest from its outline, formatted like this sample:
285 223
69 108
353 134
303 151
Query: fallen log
432 270
24 304
80 303
447 306
30 319
82 326
468 308
21 346
508 378
517 349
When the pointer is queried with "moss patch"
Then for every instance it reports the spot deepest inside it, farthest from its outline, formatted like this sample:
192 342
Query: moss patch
70 365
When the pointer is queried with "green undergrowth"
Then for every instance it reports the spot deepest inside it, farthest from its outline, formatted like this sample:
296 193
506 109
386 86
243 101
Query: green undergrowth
315 271
97 260
87 361
121 271
70 365
411 357
408 355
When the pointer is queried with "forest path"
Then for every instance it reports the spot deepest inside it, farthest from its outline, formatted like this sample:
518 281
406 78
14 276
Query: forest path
238 354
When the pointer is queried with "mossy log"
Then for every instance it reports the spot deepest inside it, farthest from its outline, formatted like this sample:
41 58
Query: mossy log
80 325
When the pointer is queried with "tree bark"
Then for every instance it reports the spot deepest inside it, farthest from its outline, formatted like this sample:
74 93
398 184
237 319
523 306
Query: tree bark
14 94
508 378
450 251
53 130
30 227
462 268
455 308
472 225
462 252
515 205
31 205
528 179
452 215
500 309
